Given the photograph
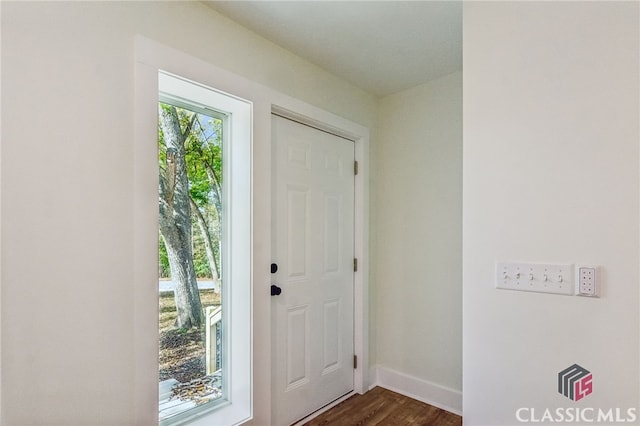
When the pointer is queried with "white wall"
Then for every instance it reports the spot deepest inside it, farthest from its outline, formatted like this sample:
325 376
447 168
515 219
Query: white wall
418 239
68 198
550 174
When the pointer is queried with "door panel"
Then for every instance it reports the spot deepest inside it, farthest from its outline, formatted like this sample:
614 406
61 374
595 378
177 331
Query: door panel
297 200
297 353
313 245
331 342
332 214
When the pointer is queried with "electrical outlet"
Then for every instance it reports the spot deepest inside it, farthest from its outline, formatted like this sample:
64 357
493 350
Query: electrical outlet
587 282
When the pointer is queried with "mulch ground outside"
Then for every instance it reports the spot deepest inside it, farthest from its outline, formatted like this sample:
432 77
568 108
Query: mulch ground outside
182 351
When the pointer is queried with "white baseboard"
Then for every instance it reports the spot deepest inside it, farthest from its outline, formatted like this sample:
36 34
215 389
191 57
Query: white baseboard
423 390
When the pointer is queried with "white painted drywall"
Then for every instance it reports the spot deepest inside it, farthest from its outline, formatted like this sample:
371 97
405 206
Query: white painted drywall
68 195
551 114
418 235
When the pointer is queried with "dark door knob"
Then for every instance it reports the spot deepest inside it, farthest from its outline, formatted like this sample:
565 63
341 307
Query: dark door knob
275 290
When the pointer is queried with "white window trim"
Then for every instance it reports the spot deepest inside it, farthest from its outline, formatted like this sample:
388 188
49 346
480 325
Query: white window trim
151 57
235 404
151 80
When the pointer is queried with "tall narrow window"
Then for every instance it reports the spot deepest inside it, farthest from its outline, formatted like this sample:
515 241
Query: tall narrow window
203 251
190 199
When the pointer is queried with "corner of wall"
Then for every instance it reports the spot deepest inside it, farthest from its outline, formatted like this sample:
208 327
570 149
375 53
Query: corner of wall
418 389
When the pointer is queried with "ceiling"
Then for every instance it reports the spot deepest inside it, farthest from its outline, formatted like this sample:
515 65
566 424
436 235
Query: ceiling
380 46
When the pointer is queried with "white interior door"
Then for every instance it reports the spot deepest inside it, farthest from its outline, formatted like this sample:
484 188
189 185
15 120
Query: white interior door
313 247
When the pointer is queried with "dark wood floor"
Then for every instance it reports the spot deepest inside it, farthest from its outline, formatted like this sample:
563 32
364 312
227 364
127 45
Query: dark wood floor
381 407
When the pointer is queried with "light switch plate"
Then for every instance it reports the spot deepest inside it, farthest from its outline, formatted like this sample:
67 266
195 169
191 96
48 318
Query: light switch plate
551 278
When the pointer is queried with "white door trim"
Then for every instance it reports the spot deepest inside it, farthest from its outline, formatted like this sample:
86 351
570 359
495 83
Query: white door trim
360 135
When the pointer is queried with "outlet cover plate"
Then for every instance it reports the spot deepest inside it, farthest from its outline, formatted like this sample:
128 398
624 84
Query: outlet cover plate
554 278
587 281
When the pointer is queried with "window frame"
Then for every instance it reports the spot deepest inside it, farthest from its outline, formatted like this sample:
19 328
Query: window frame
235 404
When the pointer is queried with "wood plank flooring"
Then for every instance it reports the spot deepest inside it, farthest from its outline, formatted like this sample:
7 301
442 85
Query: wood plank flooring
383 407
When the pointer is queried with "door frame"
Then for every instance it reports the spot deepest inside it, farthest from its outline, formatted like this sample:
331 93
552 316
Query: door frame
360 136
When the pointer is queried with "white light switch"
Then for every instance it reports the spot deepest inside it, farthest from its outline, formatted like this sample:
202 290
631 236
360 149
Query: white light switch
536 277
